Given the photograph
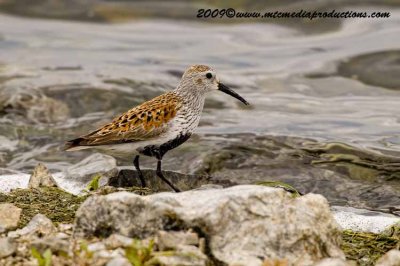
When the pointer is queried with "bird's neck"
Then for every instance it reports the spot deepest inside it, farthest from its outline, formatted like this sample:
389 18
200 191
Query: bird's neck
192 98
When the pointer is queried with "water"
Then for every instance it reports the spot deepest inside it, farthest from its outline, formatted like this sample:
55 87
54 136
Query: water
59 79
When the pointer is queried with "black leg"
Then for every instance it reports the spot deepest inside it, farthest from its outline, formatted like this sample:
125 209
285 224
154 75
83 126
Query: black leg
136 164
161 176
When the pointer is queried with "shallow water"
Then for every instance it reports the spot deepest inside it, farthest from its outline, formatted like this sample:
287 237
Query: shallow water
59 79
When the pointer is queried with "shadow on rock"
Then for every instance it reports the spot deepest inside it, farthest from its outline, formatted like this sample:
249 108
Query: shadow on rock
130 178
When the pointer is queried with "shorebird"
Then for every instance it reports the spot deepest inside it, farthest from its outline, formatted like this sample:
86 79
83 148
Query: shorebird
158 125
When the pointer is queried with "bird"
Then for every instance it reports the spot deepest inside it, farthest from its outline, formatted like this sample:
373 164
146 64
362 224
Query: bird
159 125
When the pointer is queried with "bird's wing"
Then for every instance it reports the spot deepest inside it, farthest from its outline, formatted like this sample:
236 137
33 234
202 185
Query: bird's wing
143 122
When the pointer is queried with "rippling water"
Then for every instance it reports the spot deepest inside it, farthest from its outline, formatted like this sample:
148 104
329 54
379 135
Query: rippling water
59 79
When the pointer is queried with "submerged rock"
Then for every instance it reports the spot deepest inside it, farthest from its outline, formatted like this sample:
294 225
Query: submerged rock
242 224
41 177
9 216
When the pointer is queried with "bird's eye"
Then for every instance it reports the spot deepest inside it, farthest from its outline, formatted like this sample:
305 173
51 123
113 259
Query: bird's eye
208 75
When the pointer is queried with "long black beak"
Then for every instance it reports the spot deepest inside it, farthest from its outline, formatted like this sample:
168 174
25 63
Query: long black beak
227 90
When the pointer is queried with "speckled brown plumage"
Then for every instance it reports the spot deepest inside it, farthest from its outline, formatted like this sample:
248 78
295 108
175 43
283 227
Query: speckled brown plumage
143 122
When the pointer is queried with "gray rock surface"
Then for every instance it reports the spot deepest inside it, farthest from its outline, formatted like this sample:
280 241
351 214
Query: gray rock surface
9 216
391 258
242 224
7 247
41 177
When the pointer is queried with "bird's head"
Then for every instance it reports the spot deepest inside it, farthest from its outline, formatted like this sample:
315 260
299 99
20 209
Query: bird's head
203 79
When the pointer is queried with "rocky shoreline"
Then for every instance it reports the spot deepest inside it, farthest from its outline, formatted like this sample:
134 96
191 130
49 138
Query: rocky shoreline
43 224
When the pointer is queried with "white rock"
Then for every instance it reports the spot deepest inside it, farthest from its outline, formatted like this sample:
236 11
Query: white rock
13 181
360 220
243 224
391 258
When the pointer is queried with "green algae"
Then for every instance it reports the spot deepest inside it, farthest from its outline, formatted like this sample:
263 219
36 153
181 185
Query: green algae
58 205
366 248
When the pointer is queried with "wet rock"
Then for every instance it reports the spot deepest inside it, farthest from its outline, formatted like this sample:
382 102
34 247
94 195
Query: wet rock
9 216
360 220
7 144
173 239
40 225
242 224
182 255
128 177
378 69
7 247
41 177
344 174
32 105
392 258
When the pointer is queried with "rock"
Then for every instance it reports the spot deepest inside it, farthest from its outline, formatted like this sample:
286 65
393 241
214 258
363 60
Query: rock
116 241
54 243
41 177
40 225
7 247
76 177
332 262
170 240
360 220
391 258
9 216
182 256
96 246
13 181
128 177
119 261
242 224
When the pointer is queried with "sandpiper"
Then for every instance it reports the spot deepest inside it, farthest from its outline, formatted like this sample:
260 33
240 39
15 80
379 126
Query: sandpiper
158 125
